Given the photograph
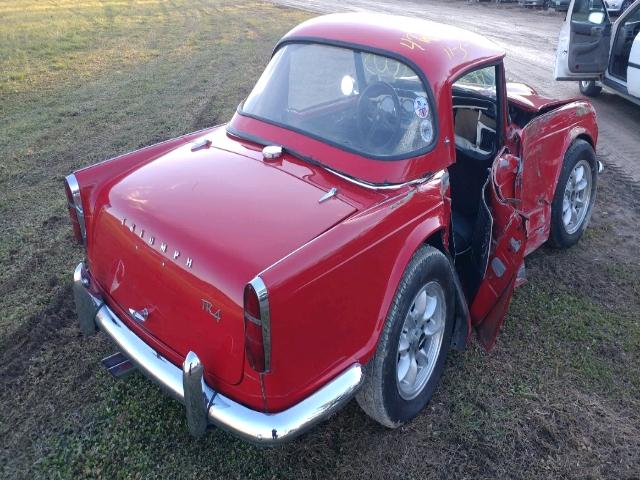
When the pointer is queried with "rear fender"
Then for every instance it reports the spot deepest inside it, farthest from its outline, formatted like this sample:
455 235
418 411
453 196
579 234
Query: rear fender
334 293
437 236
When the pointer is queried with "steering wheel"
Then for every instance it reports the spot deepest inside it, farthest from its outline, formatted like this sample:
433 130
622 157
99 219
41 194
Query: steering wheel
379 116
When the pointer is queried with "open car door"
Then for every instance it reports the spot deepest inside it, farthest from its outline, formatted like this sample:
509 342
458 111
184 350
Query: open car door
633 67
506 252
584 41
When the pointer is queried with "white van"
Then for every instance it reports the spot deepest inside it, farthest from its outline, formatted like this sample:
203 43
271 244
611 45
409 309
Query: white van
599 54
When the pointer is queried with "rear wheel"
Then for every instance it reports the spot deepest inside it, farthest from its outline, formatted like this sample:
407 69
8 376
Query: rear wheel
589 88
575 195
405 371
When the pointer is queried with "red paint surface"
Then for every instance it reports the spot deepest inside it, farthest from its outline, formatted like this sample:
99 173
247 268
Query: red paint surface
332 268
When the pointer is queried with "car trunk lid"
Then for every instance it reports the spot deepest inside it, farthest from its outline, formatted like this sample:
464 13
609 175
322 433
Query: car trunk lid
181 236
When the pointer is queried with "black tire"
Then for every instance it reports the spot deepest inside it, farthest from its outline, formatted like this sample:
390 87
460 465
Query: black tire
380 397
589 88
559 236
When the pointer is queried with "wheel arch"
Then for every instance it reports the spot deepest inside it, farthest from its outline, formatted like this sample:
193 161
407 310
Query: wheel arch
578 132
462 326
586 137
437 236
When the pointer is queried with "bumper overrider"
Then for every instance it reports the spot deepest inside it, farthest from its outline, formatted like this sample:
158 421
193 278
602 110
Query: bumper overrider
204 405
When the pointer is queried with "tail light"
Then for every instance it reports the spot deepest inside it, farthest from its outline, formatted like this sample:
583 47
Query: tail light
257 325
74 202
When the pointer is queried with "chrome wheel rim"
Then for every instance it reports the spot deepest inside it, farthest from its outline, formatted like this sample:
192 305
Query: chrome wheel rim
585 83
420 340
577 195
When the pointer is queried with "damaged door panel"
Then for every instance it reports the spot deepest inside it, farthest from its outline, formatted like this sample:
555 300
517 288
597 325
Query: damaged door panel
506 255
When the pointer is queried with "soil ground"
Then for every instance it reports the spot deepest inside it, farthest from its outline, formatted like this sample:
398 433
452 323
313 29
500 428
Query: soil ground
84 81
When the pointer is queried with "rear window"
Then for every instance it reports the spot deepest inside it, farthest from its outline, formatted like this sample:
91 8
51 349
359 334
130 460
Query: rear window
358 101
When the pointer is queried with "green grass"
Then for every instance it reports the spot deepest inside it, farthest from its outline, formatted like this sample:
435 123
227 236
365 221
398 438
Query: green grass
136 73
83 81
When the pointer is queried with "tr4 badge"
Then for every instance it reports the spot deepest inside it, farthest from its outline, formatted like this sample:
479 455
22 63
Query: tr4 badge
208 307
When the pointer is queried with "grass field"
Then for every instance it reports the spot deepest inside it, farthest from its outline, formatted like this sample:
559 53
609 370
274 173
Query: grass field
81 81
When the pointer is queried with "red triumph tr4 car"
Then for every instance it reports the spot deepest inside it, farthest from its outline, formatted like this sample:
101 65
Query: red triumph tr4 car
368 206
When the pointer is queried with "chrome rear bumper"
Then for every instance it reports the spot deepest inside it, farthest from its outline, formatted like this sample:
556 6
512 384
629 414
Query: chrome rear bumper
205 406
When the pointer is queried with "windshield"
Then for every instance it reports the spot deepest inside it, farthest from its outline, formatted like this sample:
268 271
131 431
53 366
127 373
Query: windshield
358 101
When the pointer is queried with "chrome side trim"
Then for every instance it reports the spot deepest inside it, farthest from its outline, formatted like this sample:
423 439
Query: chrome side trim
373 186
265 317
250 425
299 156
74 187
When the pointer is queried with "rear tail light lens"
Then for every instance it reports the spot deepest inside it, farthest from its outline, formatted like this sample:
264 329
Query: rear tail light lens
77 234
74 203
257 329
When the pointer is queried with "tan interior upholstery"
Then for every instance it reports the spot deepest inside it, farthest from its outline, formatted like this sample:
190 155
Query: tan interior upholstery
466 124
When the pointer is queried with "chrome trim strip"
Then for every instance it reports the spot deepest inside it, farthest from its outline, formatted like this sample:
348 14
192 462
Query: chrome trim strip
74 187
265 318
373 186
362 183
250 425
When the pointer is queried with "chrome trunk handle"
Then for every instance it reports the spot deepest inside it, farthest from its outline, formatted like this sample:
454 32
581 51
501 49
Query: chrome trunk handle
139 315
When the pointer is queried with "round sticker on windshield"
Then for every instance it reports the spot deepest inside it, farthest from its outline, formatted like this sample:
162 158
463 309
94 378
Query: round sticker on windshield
421 107
426 131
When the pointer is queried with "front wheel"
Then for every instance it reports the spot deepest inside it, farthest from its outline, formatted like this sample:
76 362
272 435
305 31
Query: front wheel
575 195
405 371
589 88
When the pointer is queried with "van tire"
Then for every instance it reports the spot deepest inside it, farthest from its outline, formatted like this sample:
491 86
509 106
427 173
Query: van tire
589 88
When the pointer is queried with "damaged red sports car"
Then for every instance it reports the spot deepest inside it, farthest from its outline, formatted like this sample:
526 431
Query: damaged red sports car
368 207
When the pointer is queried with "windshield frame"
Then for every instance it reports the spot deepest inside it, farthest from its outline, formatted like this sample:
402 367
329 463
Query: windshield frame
355 47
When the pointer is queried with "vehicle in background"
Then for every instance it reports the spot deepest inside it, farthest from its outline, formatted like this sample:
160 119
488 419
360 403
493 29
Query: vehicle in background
616 7
561 5
545 4
599 54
